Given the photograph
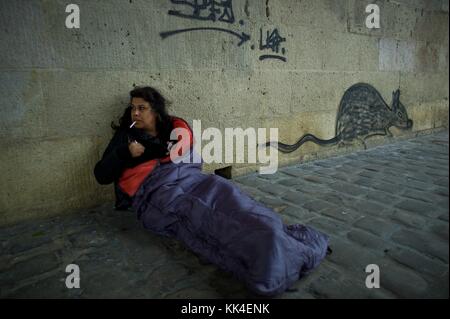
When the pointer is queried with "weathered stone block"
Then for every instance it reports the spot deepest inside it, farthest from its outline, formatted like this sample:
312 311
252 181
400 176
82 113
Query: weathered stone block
426 243
376 226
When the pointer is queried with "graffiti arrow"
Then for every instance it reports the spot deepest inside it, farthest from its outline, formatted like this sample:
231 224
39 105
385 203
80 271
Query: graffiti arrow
243 37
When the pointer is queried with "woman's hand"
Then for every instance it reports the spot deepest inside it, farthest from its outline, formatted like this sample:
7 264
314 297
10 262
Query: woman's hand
136 149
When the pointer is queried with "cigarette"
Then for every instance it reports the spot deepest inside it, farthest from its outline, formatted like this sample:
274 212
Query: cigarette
132 124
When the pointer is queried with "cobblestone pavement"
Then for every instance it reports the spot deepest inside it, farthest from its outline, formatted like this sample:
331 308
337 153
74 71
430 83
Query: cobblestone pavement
386 206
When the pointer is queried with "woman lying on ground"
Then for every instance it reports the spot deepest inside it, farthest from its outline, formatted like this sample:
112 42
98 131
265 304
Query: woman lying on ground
207 213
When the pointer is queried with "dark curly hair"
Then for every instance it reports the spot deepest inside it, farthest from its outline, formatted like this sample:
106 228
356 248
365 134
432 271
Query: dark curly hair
158 104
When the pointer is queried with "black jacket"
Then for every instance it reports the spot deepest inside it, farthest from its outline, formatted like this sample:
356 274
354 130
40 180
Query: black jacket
117 158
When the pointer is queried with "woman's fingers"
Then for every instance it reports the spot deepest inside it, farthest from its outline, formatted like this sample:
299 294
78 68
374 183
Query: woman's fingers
136 149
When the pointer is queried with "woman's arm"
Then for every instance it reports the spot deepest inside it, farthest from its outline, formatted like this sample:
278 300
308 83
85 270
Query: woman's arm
181 144
112 164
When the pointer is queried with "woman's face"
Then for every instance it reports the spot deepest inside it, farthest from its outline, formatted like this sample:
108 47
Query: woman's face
142 113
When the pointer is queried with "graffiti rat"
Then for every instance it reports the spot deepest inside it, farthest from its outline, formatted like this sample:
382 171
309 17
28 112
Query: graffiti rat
362 113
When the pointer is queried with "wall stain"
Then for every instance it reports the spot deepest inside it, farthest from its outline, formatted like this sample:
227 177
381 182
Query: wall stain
247 13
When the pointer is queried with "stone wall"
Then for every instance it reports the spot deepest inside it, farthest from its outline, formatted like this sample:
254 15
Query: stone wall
60 88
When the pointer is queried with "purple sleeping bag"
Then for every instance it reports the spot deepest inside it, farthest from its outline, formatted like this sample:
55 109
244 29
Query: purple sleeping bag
223 225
